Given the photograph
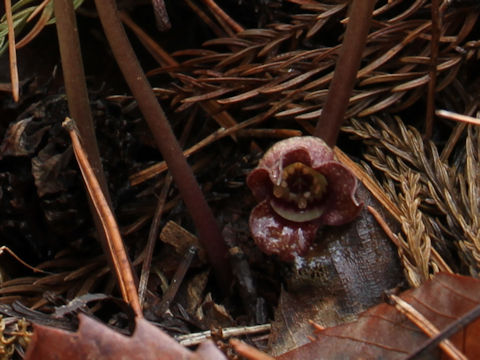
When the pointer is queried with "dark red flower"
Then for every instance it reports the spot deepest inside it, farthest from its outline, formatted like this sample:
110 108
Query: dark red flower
300 186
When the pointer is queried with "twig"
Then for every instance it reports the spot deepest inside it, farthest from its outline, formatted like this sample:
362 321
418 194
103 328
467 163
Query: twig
331 119
426 326
197 338
115 244
152 238
177 280
206 225
458 117
12 51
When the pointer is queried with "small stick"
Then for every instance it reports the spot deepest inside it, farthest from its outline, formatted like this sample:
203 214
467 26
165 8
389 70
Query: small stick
12 51
458 117
114 240
176 282
152 237
426 326
197 338
155 226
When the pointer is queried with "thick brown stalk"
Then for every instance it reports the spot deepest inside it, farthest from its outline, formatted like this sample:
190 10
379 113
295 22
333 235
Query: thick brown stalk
432 84
207 227
75 85
340 89
77 96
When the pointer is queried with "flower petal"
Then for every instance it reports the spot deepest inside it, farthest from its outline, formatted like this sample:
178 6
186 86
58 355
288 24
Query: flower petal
277 236
341 207
259 183
310 150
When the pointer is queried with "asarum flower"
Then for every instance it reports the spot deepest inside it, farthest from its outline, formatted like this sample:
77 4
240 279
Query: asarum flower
300 186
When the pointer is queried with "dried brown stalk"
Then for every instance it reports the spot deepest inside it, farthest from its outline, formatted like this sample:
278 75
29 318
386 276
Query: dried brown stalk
12 51
333 113
434 44
115 244
202 215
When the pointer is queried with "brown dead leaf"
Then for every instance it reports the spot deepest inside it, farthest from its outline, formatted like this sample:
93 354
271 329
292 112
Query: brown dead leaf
50 170
93 340
345 274
384 333
22 138
212 314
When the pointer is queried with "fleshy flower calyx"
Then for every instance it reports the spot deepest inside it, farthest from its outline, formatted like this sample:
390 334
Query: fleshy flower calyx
300 186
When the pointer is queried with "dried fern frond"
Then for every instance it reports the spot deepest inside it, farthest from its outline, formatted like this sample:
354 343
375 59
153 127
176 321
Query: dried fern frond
417 261
13 332
448 193
257 68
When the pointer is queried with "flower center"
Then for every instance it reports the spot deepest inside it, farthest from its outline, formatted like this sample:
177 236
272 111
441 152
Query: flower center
300 185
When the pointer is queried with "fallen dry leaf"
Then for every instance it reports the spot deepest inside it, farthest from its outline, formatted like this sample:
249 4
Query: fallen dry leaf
94 340
384 333
346 274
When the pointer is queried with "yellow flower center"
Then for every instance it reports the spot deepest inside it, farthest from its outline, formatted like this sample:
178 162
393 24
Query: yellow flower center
300 185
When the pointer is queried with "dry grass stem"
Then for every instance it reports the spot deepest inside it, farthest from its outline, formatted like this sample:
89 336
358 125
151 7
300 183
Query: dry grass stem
115 244
12 51
457 117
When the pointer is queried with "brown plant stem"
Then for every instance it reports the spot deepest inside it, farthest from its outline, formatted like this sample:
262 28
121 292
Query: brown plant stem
331 119
75 85
432 84
12 51
79 104
205 223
